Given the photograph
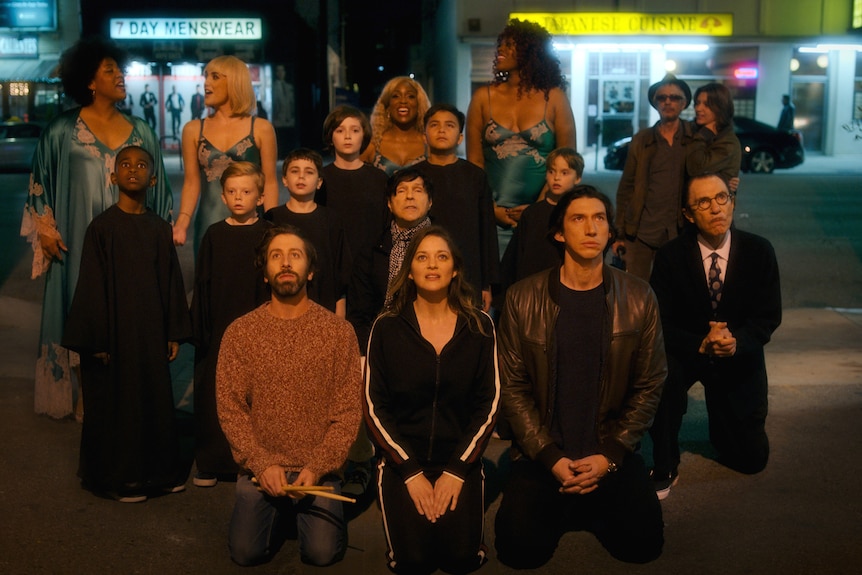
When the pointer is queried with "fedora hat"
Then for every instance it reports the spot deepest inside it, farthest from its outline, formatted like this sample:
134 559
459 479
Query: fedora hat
669 79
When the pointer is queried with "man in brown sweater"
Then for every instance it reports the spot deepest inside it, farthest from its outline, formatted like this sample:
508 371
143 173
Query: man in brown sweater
288 388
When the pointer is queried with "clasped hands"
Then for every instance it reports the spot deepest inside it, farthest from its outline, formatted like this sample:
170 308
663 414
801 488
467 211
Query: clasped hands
580 476
433 501
719 342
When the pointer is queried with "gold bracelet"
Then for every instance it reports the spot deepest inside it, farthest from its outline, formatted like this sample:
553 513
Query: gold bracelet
189 216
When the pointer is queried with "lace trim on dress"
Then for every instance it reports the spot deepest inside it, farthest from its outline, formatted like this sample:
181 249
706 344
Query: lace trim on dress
33 226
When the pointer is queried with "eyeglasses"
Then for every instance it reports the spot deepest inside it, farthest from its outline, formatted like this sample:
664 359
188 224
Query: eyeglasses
721 198
671 97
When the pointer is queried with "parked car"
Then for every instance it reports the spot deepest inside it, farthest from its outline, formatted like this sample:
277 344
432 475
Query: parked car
763 148
17 143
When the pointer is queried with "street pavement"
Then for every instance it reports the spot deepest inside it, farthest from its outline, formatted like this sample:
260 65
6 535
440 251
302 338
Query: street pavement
802 515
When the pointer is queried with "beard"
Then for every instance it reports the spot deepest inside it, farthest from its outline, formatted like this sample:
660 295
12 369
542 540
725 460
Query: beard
288 287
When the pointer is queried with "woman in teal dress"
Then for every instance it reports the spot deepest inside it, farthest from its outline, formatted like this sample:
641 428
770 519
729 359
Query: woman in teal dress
230 133
70 185
397 126
516 121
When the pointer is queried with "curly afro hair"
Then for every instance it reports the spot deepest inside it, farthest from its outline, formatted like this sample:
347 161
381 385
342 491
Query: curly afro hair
538 67
79 64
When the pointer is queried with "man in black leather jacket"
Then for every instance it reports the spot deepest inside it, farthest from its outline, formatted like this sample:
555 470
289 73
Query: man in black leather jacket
582 365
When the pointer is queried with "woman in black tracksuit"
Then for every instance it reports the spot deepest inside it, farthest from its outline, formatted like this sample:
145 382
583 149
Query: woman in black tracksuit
431 397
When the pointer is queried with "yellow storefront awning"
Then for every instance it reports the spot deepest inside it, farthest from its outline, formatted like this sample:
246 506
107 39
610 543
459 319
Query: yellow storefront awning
29 70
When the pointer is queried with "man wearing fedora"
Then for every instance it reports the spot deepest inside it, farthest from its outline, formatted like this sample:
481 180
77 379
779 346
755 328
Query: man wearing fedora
649 196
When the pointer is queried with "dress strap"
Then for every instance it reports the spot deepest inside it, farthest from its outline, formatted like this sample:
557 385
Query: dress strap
201 136
488 87
251 132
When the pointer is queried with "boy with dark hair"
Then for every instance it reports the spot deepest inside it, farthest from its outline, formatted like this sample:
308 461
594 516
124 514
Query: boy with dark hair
463 201
127 318
353 189
226 287
301 176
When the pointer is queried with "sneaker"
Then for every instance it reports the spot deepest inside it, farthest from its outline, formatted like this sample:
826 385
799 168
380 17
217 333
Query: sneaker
128 497
356 480
202 479
663 483
175 489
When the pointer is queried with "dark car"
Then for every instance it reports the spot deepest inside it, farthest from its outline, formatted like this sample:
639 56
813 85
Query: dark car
17 143
763 148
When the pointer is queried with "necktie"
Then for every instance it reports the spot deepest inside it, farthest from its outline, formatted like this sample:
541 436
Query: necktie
715 283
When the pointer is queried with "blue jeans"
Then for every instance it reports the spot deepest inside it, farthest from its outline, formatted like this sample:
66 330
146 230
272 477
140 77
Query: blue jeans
320 526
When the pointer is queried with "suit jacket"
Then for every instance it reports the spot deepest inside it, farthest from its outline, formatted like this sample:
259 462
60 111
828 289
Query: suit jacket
750 300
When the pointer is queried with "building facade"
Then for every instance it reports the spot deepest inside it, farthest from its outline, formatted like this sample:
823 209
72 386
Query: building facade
611 51
32 36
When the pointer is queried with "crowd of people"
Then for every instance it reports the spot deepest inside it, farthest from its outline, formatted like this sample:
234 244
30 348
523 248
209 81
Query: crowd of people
403 306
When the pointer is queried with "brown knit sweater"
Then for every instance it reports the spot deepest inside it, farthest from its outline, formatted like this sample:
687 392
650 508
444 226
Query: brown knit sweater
289 391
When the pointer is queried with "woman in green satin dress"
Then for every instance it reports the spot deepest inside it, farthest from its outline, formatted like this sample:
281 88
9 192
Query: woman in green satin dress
517 120
70 184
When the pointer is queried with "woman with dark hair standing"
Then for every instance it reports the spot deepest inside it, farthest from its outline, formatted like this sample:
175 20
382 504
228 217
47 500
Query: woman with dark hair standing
431 399
516 121
70 184
715 148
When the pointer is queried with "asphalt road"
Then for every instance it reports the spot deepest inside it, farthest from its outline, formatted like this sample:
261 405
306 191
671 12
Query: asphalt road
801 516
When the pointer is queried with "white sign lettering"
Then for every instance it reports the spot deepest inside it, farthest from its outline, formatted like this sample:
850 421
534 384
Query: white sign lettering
186 29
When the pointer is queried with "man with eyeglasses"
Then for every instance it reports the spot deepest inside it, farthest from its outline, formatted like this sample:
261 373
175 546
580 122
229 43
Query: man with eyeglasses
719 297
649 194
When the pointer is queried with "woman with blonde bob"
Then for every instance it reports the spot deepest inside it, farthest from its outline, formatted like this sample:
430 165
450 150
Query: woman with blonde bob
398 133
431 399
230 133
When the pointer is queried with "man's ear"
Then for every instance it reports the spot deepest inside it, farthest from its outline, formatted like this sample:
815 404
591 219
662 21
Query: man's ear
688 215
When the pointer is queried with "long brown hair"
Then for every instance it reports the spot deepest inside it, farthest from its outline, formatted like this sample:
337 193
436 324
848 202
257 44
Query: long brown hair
461 295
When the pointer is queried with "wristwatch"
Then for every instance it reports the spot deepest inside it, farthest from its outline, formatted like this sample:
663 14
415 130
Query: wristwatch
612 467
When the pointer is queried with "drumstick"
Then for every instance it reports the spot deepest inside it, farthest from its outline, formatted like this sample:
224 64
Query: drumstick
314 490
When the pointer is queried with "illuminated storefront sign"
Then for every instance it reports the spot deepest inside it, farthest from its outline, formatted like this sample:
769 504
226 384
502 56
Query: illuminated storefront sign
186 28
19 46
630 23
28 14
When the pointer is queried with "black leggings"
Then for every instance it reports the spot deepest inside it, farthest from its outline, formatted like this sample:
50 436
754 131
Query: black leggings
455 543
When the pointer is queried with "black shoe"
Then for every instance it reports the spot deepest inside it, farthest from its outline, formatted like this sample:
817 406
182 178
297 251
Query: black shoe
202 479
356 480
663 483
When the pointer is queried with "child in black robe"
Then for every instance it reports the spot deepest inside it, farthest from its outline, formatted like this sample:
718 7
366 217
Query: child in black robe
128 315
227 286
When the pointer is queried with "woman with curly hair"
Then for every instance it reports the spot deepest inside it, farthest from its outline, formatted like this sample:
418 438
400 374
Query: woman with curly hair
232 133
70 184
397 129
715 148
517 120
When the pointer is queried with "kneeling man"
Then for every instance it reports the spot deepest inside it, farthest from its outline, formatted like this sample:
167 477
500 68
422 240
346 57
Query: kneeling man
720 301
581 365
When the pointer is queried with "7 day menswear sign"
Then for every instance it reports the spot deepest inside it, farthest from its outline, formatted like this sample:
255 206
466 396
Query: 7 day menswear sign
186 29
